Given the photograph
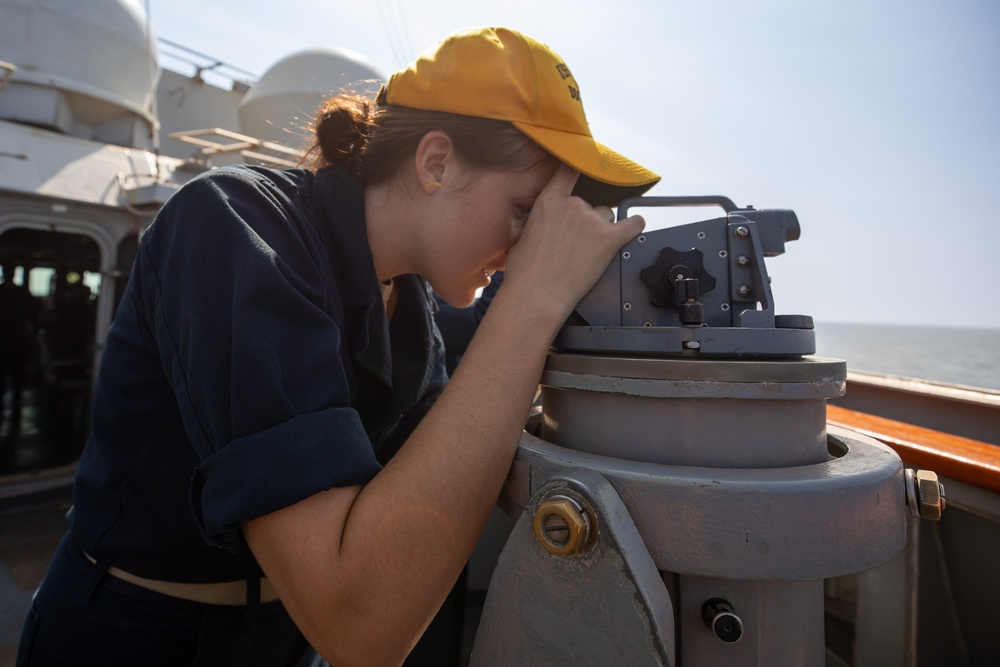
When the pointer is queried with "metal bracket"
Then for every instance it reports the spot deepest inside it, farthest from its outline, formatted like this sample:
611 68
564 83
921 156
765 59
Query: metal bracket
845 515
604 603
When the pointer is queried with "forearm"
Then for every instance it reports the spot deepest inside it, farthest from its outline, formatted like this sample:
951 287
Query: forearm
408 533
423 514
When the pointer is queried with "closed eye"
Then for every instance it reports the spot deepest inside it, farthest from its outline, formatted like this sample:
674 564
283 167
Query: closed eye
519 219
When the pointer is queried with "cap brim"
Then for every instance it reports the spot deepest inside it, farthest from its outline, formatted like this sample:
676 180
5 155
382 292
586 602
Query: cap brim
606 178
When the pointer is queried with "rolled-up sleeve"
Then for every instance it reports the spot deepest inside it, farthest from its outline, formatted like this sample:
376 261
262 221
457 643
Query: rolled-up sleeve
244 311
255 475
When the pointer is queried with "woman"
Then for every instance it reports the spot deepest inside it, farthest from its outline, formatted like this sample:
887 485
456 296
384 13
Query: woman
257 469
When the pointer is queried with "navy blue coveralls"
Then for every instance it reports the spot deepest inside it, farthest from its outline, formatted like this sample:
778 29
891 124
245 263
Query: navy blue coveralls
250 365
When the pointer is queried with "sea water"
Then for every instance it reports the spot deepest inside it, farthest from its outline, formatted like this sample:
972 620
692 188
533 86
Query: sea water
944 354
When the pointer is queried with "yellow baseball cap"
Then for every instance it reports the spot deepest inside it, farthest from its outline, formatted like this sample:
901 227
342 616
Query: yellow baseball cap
502 74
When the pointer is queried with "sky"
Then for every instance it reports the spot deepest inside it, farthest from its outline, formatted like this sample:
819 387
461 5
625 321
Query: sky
876 121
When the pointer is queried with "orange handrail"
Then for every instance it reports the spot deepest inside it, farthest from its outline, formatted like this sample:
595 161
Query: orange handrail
971 461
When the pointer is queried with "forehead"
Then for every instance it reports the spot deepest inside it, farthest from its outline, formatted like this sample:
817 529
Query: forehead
526 182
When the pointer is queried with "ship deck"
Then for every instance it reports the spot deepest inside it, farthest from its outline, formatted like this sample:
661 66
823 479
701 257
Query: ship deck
29 534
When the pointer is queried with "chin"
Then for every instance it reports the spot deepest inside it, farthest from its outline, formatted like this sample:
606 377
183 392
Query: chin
459 299
459 293
464 302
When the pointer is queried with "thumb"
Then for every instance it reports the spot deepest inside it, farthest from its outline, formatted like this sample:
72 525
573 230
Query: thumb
629 228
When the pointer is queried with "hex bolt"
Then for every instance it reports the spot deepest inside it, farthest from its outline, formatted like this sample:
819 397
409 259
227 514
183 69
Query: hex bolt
742 232
719 616
743 261
924 494
561 526
744 290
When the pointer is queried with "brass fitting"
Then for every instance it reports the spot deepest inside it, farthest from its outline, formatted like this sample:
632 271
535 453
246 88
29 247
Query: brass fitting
561 526
924 494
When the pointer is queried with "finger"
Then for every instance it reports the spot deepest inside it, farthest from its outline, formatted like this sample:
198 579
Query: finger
630 227
605 212
564 180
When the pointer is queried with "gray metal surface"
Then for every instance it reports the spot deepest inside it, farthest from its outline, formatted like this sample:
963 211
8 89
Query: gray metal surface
782 623
810 369
722 414
691 341
885 615
804 522
605 607
695 289
711 432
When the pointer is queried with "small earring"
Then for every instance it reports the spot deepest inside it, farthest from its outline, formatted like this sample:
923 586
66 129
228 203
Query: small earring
432 187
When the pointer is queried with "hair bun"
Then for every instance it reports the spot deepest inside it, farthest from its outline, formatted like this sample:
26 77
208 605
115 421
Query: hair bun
341 128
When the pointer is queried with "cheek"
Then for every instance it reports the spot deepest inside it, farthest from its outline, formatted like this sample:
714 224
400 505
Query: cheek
505 228
493 235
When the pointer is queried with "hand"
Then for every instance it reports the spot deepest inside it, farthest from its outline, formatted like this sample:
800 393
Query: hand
566 246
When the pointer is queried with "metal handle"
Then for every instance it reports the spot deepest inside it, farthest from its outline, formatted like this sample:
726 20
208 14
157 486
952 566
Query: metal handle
725 203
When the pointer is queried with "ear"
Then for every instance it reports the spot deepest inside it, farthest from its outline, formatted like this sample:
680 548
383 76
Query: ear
435 159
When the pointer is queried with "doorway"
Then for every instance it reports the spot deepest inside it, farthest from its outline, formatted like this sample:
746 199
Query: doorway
50 282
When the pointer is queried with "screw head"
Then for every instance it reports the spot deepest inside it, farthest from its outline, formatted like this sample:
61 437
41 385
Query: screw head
561 526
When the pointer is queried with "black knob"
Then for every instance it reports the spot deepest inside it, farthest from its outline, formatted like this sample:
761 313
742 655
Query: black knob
723 621
671 268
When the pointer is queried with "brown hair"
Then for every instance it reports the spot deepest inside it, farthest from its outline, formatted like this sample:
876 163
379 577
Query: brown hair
373 142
